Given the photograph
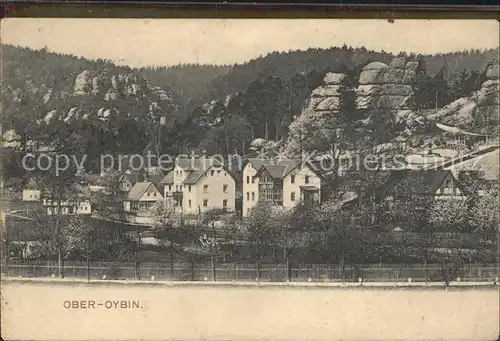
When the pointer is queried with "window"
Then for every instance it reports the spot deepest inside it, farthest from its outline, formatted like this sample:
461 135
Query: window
248 179
189 202
218 172
253 196
85 208
225 174
154 194
224 188
176 188
212 172
224 203
205 188
147 194
189 188
306 179
205 202
248 195
292 196
170 188
253 179
292 179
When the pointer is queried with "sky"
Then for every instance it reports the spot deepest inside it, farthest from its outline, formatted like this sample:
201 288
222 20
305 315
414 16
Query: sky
141 42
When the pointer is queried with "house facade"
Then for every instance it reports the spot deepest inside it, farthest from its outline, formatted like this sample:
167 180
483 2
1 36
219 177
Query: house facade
141 198
285 183
128 180
195 186
67 207
412 192
32 191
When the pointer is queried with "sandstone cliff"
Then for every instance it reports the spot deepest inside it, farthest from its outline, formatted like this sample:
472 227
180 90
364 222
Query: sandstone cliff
477 112
385 86
328 97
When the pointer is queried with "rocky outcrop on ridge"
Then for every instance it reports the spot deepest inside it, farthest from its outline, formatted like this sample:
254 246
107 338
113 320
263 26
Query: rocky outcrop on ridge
104 91
328 97
479 111
387 86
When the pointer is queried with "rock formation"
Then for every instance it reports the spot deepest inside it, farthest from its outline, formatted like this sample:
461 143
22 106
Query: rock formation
81 86
385 86
328 97
488 101
478 111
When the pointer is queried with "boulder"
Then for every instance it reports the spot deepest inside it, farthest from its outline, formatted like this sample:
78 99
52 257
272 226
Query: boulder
114 81
458 113
332 78
81 86
489 93
47 96
493 72
96 85
50 115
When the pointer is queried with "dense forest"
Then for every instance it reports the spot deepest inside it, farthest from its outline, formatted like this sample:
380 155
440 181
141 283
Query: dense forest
196 107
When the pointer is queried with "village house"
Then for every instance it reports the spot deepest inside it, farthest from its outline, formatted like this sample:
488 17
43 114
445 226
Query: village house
286 183
418 189
141 198
32 191
128 180
197 185
67 207
486 162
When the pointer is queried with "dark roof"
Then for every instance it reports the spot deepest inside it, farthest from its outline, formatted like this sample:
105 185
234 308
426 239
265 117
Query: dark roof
33 184
257 163
199 167
411 181
132 176
275 171
138 190
280 169
168 179
309 188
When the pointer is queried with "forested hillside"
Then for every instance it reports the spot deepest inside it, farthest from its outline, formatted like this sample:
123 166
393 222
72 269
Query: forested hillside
115 109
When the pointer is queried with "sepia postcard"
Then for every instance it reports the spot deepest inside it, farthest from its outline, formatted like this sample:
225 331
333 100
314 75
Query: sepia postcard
249 179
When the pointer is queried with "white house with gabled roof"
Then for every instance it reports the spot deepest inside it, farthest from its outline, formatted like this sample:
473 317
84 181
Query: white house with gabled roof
285 183
141 198
197 185
32 191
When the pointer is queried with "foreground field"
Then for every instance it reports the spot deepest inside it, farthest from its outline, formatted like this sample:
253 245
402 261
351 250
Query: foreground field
76 311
